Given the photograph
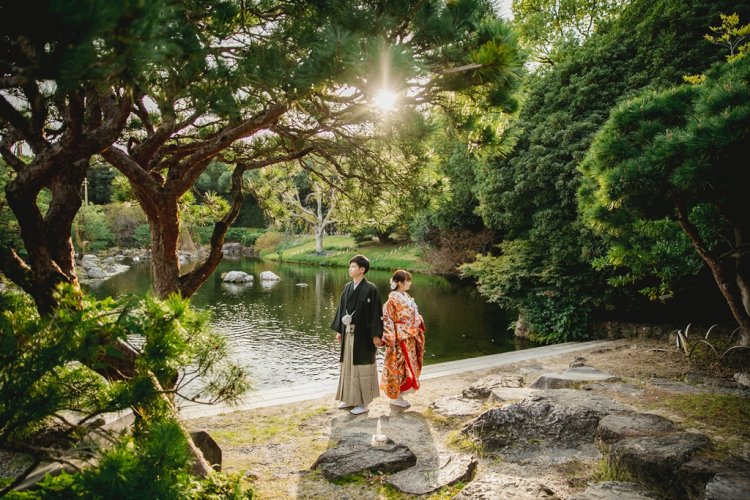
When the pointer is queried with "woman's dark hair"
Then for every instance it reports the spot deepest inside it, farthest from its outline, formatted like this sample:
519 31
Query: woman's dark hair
361 261
401 276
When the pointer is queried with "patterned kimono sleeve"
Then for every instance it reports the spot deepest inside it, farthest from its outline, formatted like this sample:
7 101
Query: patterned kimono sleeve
389 326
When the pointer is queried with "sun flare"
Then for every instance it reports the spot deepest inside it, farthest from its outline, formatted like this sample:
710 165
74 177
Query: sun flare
385 100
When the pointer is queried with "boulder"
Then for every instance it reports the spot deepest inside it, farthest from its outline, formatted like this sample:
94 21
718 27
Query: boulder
269 276
742 379
616 427
454 407
571 377
115 269
506 394
355 453
211 451
232 249
431 475
695 474
615 490
563 417
728 485
482 388
501 486
95 273
657 460
237 277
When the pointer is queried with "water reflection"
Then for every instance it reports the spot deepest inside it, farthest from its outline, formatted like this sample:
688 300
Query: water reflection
280 329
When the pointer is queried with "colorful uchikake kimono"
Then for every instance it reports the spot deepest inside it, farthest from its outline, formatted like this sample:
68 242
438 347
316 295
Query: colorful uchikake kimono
403 333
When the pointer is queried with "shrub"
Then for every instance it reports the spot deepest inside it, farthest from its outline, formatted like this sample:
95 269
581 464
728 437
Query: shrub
269 242
142 236
91 232
44 374
124 219
246 236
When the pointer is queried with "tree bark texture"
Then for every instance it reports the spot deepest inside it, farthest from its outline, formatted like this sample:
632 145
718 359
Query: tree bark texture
738 311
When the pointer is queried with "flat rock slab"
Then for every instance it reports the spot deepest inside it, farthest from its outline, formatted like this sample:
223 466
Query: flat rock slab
564 417
616 427
571 377
432 475
695 474
621 388
354 453
615 490
728 485
482 388
657 460
503 394
454 407
502 486
676 387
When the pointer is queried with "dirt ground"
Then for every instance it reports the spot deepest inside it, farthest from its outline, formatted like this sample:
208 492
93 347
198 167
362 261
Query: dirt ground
275 447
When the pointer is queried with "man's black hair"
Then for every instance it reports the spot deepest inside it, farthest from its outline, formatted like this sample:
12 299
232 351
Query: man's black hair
361 261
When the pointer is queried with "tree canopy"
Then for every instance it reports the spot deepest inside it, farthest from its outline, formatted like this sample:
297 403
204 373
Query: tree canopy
677 155
530 197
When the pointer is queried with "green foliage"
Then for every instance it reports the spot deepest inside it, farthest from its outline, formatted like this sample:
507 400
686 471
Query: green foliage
124 219
9 230
549 27
142 236
732 36
122 190
531 194
247 236
664 152
153 464
48 364
91 232
100 177
269 242
554 303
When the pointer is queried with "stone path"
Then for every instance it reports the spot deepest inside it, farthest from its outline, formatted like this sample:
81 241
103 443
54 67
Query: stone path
318 389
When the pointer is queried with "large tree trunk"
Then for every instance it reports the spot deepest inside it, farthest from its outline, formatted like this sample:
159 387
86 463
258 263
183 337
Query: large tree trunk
47 238
165 233
742 265
739 312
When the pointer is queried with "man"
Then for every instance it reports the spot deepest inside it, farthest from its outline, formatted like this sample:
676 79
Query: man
359 329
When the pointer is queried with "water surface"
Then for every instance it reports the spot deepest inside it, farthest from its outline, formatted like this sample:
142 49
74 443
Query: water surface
280 330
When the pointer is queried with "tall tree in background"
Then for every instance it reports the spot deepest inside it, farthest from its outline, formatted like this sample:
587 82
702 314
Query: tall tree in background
67 74
678 155
292 195
543 267
269 83
549 27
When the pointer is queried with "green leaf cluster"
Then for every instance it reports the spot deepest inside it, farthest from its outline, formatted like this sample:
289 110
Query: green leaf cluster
155 464
683 147
49 375
530 195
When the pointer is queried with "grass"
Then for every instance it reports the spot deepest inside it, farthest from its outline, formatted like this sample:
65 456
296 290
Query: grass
608 470
459 441
264 429
337 250
724 416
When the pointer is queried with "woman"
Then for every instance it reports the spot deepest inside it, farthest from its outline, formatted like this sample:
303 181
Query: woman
403 335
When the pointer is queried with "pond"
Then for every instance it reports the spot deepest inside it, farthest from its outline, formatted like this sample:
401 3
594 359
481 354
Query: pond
280 330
